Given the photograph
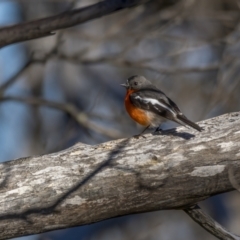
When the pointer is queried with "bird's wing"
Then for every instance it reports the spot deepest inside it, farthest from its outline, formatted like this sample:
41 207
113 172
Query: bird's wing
157 102
154 101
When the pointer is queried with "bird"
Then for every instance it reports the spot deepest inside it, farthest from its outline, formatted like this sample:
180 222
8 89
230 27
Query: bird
149 106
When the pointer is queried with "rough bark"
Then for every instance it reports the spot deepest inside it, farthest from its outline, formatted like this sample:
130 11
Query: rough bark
46 26
86 184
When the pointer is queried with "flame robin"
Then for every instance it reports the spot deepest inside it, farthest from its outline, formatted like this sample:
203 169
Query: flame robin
149 106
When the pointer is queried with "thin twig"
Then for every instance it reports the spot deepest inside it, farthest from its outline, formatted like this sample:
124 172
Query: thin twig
31 61
139 64
11 80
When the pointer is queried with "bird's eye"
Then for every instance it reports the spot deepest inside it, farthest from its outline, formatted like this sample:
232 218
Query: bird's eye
135 83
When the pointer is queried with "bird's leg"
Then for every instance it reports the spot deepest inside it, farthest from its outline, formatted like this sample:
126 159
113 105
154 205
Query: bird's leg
141 134
158 129
144 130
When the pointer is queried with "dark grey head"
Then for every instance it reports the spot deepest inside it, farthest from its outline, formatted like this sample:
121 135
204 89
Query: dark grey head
136 83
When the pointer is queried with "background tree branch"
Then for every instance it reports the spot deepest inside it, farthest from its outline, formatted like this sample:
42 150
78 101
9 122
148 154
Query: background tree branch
80 117
86 184
47 26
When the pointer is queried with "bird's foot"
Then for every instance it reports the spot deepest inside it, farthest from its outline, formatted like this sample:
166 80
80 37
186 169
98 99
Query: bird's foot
138 136
158 129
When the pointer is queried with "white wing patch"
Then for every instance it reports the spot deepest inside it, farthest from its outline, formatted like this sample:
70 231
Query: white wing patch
155 103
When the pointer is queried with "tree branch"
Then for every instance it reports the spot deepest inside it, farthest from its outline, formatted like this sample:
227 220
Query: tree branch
86 184
31 61
80 117
10 81
209 224
46 26
145 64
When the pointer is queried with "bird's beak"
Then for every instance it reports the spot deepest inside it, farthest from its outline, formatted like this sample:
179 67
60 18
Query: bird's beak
124 85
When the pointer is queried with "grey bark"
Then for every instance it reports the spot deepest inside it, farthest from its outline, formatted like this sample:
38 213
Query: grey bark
46 26
209 224
86 184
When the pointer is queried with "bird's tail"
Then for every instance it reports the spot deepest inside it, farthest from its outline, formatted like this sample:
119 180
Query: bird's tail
183 120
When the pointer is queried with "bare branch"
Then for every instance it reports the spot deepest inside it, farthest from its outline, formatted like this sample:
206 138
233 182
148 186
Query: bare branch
46 26
85 184
204 220
145 63
11 80
80 117
31 61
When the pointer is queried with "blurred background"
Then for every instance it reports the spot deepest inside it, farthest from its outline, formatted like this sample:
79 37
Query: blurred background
64 89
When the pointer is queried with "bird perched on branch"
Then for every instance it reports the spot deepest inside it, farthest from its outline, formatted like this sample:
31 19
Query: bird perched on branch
149 106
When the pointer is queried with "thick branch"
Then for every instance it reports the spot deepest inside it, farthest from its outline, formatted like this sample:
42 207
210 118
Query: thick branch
85 184
46 26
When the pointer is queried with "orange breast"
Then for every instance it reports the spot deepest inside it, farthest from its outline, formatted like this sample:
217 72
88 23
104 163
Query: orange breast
135 113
